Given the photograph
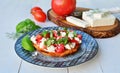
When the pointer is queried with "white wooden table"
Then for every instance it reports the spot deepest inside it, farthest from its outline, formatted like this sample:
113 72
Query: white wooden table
13 11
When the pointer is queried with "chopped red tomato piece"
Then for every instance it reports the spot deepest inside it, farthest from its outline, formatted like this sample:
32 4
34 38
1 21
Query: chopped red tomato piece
47 35
79 36
74 41
38 38
60 48
55 33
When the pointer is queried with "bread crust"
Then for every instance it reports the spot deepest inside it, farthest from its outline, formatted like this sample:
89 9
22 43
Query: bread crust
55 54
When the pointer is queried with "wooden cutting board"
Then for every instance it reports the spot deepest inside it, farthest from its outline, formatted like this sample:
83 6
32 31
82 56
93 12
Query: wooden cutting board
96 32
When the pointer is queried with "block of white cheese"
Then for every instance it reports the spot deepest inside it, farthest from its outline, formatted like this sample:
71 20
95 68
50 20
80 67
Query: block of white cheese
98 18
77 21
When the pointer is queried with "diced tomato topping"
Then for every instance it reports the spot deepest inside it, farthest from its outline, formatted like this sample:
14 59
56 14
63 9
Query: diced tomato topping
69 40
55 45
38 38
47 35
79 36
74 41
55 33
60 48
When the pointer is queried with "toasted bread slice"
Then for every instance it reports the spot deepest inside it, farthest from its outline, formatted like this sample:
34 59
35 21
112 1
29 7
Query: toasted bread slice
54 54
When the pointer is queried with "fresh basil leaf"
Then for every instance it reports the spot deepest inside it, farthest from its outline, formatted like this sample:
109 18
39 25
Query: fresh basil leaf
74 33
65 28
63 40
58 33
49 42
26 26
51 34
44 33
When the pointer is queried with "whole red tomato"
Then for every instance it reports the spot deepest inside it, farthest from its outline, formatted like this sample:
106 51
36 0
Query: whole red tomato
34 9
63 7
38 14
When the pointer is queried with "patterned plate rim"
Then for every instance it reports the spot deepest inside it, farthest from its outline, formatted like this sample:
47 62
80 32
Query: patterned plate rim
87 55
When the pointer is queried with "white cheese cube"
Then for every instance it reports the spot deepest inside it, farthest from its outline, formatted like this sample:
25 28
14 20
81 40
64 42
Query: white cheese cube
33 39
77 21
98 15
77 39
51 48
63 34
98 20
41 45
72 45
43 40
70 35
67 46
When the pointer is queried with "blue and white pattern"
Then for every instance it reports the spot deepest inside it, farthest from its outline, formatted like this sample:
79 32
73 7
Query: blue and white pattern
88 49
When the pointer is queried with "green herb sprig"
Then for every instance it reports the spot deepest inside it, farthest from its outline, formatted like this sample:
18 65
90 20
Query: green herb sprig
23 27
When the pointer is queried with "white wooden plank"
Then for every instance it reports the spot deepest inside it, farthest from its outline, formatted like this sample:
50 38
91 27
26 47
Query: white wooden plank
98 3
30 68
110 54
91 66
9 62
105 4
84 3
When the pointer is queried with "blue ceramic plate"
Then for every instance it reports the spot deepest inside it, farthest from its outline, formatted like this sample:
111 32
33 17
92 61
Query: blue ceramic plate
88 49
